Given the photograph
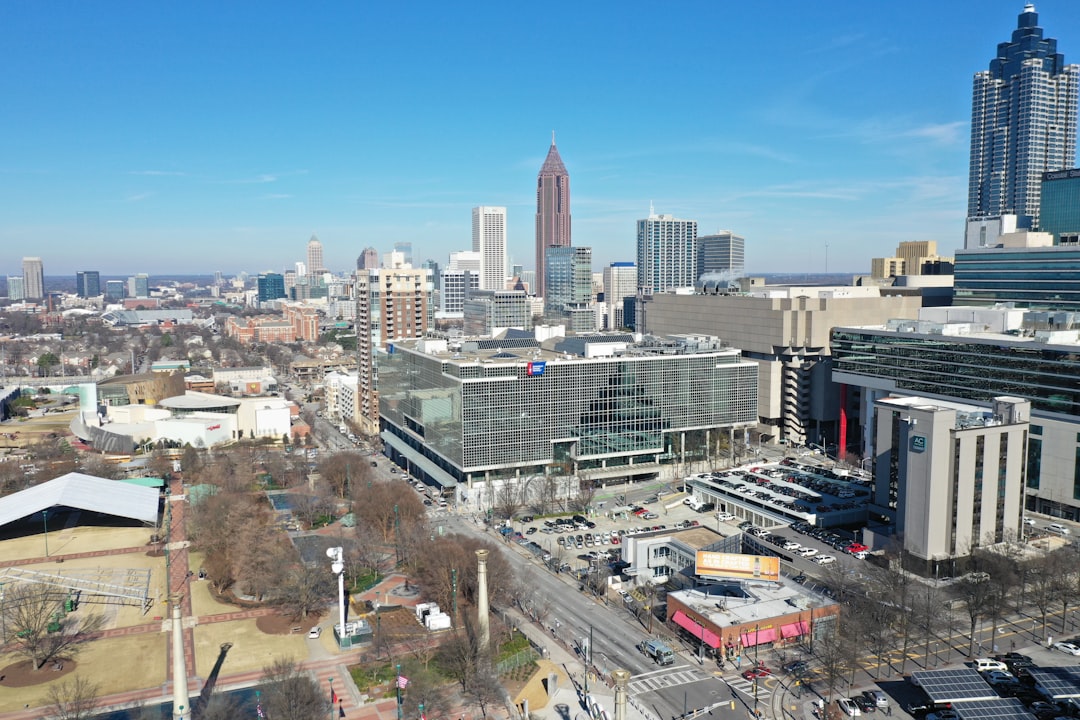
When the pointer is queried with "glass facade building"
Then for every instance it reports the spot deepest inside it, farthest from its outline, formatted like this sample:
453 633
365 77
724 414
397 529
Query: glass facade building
1059 206
509 406
1034 277
976 368
1023 123
271 286
88 283
569 278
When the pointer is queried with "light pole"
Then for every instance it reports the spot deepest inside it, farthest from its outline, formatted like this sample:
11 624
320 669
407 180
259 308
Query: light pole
337 566
332 698
397 684
45 523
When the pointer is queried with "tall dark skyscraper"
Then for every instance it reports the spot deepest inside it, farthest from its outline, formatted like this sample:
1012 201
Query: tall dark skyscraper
1023 123
88 283
552 210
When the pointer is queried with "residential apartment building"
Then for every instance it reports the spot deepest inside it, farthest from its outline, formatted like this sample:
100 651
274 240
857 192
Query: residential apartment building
261 330
392 304
666 253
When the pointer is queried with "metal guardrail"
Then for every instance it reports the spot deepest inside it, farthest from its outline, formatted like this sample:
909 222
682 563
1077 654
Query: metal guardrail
133 590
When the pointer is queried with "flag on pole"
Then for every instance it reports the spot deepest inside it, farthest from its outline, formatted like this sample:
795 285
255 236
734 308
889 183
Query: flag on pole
423 716
402 682
258 710
333 696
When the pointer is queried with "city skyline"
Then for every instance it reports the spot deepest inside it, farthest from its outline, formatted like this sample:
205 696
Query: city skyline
232 137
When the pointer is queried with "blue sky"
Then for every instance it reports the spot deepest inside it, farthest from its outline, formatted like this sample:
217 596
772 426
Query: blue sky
193 137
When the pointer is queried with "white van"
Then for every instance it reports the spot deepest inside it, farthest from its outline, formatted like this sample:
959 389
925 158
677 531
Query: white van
1058 528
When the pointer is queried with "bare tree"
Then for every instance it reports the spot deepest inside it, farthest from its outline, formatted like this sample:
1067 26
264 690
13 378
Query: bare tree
929 616
484 690
508 498
74 699
289 692
37 627
1043 582
972 591
304 590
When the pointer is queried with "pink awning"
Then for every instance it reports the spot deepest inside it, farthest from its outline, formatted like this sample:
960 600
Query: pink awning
758 637
696 629
794 629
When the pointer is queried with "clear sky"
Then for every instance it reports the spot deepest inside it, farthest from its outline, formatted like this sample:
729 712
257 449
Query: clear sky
202 136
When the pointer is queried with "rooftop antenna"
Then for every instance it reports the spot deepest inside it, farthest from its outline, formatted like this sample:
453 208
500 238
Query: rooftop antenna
652 210
552 137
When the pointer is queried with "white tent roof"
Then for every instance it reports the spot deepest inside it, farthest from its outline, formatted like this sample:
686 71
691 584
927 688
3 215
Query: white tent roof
84 492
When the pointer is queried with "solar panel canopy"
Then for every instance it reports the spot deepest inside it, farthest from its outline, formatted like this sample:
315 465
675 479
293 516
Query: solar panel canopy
952 686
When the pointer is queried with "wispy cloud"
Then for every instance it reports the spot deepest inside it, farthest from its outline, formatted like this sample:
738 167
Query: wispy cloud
157 173
138 196
942 133
263 178
277 196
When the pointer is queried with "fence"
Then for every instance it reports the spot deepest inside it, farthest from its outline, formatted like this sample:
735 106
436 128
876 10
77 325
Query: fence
522 657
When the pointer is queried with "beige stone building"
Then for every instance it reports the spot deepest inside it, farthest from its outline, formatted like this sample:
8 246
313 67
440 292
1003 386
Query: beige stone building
785 330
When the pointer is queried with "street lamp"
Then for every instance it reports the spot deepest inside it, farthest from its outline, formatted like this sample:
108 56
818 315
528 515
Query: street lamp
332 698
45 523
337 566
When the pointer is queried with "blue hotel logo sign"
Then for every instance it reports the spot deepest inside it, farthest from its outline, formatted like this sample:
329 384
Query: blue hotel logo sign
535 368
918 443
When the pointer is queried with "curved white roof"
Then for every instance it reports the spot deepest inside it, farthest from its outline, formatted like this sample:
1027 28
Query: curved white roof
197 401
84 492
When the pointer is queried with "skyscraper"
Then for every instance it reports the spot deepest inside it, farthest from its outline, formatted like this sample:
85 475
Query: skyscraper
1023 123
620 282
271 286
314 256
552 210
88 283
489 239
33 278
721 255
666 253
405 248
368 259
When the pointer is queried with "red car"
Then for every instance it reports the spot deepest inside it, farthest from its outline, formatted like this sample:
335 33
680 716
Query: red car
855 547
757 672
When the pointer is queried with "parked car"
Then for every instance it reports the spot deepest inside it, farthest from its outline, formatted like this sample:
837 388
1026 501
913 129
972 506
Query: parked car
848 707
866 705
808 552
315 632
1068 648
880 698
825 559
999 677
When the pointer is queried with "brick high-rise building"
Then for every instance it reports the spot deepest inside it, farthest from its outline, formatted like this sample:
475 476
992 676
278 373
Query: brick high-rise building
552 210
391 304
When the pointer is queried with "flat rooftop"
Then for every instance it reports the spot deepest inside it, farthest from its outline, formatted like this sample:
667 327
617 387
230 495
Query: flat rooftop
517 350
737 603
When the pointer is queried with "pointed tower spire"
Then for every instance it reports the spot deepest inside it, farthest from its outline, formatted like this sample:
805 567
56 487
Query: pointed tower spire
552 211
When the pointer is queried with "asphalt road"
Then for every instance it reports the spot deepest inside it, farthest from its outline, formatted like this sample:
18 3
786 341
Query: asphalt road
666 691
